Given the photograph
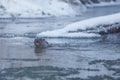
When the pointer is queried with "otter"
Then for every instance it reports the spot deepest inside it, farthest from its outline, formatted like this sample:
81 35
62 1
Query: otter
40 43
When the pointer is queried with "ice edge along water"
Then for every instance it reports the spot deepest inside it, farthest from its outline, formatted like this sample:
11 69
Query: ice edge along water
82 29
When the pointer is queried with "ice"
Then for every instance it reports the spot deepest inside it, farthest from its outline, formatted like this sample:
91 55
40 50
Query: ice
84 29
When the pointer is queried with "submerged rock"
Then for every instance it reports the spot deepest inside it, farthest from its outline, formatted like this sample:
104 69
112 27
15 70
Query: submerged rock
104 29
110 29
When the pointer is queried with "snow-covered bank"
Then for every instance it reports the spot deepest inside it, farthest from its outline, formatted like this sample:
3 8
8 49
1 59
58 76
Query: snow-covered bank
94 27
39 8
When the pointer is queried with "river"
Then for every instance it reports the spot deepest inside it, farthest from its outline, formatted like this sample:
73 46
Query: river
65 59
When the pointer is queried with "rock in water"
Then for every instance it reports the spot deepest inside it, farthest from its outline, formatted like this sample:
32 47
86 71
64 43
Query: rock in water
41 43
110 29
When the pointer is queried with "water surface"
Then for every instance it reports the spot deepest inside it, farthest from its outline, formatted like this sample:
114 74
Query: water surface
65 59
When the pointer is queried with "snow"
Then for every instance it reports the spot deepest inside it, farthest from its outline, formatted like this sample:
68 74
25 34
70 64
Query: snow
40 8
82 29
46 8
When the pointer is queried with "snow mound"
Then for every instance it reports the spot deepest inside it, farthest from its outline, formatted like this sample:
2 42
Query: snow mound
94 27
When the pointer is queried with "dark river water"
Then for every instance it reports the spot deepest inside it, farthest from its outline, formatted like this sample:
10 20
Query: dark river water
64 59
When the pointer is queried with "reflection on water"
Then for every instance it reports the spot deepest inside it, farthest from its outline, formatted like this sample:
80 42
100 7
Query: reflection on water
37 50
64 59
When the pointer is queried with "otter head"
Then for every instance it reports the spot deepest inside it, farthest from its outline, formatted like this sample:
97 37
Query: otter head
39 42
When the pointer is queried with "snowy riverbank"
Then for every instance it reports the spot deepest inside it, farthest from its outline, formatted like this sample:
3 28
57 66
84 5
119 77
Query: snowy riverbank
49 8
94 27
39 8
